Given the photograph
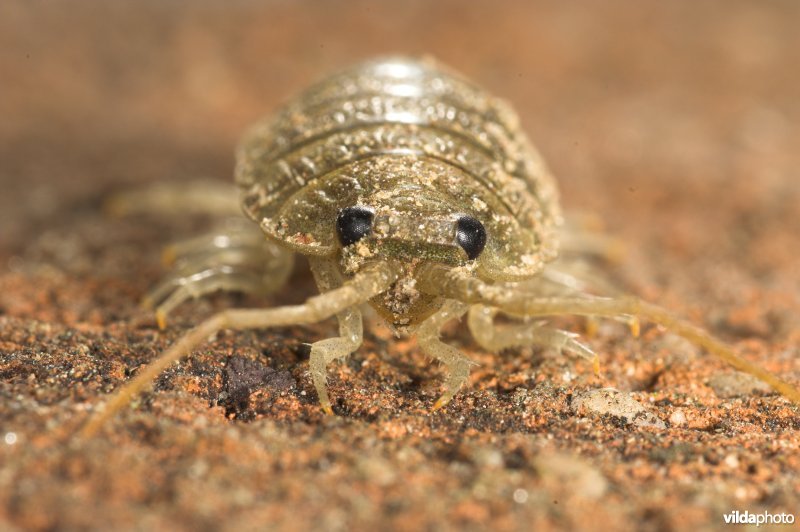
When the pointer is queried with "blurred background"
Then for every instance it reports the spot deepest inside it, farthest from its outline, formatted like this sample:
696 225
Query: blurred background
675 123
624 99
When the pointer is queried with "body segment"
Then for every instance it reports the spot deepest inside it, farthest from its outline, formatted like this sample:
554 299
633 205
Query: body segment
409 136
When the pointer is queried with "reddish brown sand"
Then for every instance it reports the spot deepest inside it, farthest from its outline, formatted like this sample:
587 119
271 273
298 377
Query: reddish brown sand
677 124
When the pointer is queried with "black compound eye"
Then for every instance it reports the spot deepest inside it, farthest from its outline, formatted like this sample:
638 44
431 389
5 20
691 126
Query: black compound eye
471 236
353 224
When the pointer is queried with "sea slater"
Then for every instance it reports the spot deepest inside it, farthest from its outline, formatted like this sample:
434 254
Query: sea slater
411 189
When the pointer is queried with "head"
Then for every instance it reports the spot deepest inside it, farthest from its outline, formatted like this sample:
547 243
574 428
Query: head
418 211
412 210
411 227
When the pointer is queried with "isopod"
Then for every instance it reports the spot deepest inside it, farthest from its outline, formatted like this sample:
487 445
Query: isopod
408 188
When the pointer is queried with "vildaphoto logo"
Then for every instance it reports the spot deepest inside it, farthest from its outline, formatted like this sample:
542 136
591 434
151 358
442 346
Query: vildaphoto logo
764 518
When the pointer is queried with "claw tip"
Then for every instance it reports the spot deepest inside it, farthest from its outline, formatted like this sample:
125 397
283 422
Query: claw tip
591 328
161 319
636 327
439 404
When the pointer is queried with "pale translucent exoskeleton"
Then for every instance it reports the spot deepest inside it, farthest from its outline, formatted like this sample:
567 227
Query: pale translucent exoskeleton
409 188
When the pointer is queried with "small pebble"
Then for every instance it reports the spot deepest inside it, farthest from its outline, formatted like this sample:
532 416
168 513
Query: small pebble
678 418
732 461
737 384
520 496
611 401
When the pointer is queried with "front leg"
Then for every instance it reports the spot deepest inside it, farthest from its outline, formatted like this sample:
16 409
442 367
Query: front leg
456 364
495 338
351 332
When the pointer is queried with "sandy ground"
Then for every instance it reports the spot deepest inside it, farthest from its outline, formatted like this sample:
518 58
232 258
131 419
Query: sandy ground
675 123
